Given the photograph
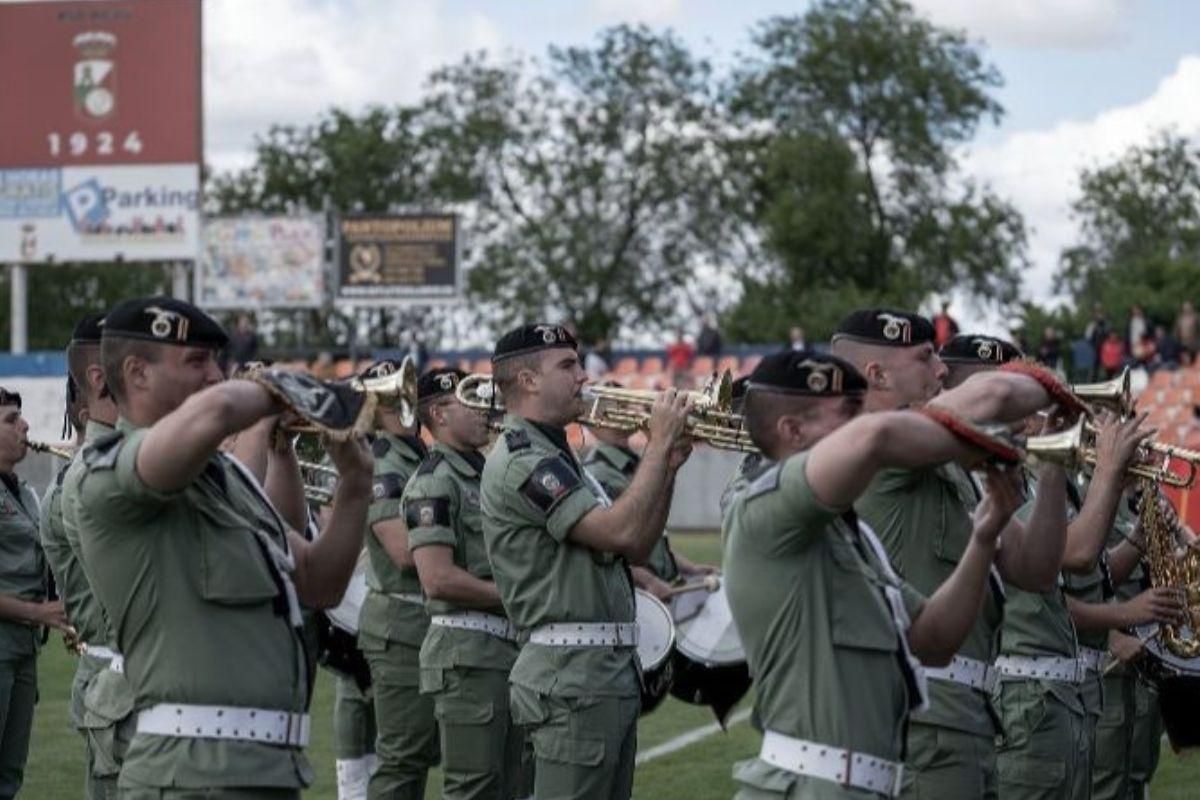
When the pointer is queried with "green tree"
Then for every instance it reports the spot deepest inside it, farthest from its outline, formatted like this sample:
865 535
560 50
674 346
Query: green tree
1139 232
598 175
849 116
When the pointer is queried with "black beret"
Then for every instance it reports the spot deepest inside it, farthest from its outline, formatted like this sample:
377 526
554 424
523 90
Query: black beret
8 398
807 372
885 326
532 338
438 382
740 385
973 348
88 329
164 320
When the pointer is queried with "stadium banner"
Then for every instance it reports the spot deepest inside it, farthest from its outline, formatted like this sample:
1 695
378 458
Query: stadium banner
89 213
100 147
391 259
262 262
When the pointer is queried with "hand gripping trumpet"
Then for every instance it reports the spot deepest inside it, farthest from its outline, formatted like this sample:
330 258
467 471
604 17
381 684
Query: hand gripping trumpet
1076 447
712 419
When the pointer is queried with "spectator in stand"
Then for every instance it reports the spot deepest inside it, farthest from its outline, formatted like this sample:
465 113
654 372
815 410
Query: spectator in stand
1112 354
1097 333
796 338
1136 333
1187 328
1168 352
679 360
243 342
944 326
708 343
596 362
1049 352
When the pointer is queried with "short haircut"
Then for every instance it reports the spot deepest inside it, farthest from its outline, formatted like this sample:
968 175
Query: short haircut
425 410
113 352
763 409
80 356
504 373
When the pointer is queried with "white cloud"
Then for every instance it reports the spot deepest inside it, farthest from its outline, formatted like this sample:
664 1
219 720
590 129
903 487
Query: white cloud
650 12
281 61
1034 23
1039 170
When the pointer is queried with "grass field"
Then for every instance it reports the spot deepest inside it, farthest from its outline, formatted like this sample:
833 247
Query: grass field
697 772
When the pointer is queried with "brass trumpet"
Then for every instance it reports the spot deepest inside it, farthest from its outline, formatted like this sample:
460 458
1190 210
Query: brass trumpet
712 419
1076 447
319 482
57 450
1115 394
397 390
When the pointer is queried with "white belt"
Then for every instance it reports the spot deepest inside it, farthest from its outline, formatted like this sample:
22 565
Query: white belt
268 726
1053 668
408 597
966 671
494 624
833 764
1092 658
586 634
116 661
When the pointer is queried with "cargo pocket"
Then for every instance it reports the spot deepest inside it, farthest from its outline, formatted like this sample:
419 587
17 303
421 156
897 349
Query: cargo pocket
1040 773
550 744
233 570
759 779
528 707
107 720
467 732
1022 707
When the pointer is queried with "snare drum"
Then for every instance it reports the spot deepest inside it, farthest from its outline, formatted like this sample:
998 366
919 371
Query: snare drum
710 664
337 649
656 637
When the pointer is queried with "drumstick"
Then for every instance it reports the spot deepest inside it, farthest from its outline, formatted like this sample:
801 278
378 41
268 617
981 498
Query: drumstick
710 584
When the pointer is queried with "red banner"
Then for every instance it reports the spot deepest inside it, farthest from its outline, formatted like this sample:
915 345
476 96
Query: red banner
100 82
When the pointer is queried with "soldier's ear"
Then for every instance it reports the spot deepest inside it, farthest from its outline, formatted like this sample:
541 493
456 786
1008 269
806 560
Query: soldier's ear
789 429
133 369
876 375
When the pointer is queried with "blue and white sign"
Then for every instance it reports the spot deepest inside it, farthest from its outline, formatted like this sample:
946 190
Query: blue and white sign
135 213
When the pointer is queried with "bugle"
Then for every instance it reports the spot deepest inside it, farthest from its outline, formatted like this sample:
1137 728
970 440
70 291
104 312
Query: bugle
396 390
319 482
1076 447
64 451
1115 395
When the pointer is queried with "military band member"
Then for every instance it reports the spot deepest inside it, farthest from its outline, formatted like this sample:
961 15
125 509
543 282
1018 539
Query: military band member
393 623
200 577
354 737
24 609
923 518
613 463
471 645
1044 750
100 696
831 632
559 557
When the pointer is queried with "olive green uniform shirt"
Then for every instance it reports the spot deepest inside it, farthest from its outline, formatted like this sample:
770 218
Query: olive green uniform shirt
22 564
923 517
199 610
383 615
442 507
614 467
810 597
534 492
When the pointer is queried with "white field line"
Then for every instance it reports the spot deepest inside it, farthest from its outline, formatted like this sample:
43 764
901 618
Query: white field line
689 738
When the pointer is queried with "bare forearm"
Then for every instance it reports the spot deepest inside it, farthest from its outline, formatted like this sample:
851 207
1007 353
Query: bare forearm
995 397
329 561
1094 617
1087 532
177 447
1033 551
461 588
637 507
14 609
1123 558
943 624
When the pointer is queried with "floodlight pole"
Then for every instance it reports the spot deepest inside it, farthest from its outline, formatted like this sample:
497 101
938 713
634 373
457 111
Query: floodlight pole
18 282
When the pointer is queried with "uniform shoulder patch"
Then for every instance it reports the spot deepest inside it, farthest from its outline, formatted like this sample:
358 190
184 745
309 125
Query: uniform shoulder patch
430 463
103 452
388 486
516 440
427 512
380 447
764 483
551 480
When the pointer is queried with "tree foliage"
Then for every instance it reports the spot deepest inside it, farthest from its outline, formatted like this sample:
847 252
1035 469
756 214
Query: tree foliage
596 174
1139 223
850 115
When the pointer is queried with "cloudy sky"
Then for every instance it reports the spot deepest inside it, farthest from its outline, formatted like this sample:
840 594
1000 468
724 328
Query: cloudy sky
1084 78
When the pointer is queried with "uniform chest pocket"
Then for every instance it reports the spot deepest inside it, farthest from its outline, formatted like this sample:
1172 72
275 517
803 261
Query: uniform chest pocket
861 618
954 525
233 569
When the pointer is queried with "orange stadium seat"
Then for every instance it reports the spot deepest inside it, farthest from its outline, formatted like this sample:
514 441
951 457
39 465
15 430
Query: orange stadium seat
436 363
702 365
626 366
749 363
652 365
344 368
1159 380
483 365
731 363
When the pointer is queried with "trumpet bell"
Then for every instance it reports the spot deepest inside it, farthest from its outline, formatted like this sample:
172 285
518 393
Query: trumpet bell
397 391
1115 394
1065 448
